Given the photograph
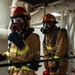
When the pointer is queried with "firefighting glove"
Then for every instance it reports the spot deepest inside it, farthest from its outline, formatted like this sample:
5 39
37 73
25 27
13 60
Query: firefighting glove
2 57
46 65
16 39
54 65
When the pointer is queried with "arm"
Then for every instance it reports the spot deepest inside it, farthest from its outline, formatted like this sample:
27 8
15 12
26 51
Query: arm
16 39
61 44
28 51
33 43
46 55
60 47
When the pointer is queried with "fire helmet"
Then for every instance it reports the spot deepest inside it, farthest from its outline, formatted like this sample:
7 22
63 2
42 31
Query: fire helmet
49 18
17 25
20 12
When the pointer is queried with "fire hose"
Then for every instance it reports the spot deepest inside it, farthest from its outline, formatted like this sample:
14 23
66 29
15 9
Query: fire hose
39 61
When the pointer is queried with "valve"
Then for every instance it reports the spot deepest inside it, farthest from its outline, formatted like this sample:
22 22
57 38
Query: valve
46 72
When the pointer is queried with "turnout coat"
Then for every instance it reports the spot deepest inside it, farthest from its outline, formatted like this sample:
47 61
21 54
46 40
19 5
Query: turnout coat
57 48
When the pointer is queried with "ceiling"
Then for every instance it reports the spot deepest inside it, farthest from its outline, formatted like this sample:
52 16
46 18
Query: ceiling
35 2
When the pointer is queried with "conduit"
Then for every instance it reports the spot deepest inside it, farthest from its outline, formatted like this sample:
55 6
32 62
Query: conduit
3 33
39 61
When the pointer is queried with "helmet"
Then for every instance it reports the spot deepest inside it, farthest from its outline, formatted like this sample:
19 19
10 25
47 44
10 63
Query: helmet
49 18
20 12
17 25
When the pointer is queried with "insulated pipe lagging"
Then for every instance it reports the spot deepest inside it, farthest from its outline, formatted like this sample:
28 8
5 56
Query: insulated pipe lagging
3 33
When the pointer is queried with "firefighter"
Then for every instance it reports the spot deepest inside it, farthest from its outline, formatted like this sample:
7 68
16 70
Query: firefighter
55 45
24 44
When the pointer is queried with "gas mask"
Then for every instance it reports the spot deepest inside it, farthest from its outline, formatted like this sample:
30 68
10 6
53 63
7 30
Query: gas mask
46 28
17 26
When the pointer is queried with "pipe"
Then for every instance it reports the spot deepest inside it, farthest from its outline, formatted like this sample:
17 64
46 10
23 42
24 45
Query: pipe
4 18
3 33
4 13
39 61
62 19
68 28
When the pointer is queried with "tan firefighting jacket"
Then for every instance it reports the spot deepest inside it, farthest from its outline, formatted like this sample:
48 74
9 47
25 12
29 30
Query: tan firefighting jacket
31 50
59 49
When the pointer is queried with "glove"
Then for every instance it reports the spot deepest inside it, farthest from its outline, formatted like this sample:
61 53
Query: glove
16 39
54 63
2 57
54 66
46 65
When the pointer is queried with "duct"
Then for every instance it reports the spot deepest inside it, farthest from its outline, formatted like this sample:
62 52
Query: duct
3 33
4 18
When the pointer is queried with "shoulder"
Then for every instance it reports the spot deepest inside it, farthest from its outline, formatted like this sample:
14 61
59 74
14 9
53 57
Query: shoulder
36 36
61 33
63 30
33 36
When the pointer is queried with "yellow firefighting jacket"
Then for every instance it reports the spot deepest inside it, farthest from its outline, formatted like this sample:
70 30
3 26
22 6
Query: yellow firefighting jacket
56 50
31 50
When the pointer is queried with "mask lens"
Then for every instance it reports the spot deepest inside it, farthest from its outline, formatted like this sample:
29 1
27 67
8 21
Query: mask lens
14 25
14 20
44 25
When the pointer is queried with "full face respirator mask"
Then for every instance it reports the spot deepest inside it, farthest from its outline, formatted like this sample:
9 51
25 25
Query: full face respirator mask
16 26
47 27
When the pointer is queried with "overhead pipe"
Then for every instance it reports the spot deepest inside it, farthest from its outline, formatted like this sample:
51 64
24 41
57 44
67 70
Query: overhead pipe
72 27
62 19
68 28
4 18
71 42
3 33
4 13
72 34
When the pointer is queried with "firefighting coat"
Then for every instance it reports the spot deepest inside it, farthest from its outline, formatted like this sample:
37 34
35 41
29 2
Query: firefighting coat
58 49
29 52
